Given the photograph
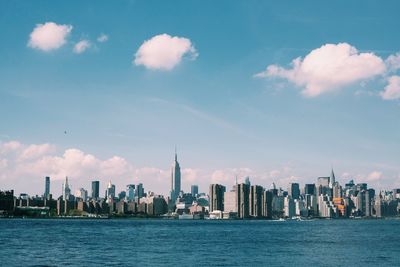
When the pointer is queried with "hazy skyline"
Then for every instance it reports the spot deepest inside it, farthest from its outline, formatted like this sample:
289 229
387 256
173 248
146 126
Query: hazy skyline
277 91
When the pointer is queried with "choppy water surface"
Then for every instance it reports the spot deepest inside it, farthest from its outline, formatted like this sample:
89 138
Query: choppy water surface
26 242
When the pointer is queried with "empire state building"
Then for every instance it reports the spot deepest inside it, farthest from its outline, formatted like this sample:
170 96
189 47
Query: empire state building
175 179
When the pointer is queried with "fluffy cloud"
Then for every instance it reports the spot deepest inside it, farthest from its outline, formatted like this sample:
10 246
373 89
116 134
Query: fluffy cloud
328 68
392 90
393 62
81 46
102 38
49 36
36 151
164 52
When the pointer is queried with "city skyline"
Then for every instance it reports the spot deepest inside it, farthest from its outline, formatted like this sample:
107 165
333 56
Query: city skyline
281 92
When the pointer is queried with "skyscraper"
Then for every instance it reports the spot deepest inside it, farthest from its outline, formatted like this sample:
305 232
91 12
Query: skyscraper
332 179
242 200
294 190
255 198
175 179
110 193
194 190
217 197
139 191
66 190
309 189
130 192
47 187
95 189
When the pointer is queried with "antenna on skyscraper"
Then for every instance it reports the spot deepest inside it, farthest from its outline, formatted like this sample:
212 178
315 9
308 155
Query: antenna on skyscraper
176 157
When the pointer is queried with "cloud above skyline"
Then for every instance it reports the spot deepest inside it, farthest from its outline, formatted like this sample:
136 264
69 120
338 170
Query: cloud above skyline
392 89
328 68
164 52
81 46
24 166
49 36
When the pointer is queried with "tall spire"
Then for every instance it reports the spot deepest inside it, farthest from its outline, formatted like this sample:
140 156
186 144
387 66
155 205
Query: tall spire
176 155
332 178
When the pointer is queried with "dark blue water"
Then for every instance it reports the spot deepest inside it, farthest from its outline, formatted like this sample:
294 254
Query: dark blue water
28 242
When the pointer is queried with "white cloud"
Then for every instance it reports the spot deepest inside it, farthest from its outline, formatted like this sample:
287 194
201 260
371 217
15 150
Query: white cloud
374 176
393 62
81 46
36 151
328 68
392 90
228 176
49 36
102 38
164 52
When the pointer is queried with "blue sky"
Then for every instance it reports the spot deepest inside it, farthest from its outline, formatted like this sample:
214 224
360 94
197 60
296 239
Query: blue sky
224 120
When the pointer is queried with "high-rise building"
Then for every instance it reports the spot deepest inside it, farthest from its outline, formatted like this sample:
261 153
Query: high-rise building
175 179
130 192
139 191
294 190
194 190
309 189
242 200
230 204
110 192
216 197
95 189
66 191
47 187
82 194
267 204
323 186
255 198
332 179
289 207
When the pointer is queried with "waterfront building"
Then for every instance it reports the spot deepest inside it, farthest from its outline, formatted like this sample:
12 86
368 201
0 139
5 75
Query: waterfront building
216 197
230 204
289 207
326 207
255 198
267 204
379 206
194 190
95 189
278 204
47 187
66 191
175 179
294 190
242 200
